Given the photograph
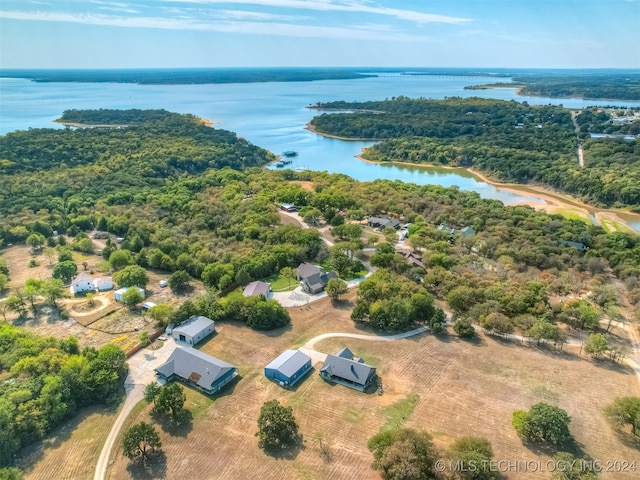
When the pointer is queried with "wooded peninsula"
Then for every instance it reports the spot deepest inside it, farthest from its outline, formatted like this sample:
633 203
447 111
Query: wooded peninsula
511 141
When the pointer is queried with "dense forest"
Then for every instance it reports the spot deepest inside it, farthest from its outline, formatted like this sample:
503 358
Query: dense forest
45 381
591 86
511 141
105 116
59 170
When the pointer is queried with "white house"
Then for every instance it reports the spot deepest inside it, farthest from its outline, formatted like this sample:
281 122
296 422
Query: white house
103 283
119 293
193 330
82 283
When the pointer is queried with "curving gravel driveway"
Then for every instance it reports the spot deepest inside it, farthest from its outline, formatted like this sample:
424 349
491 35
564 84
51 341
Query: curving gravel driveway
141 372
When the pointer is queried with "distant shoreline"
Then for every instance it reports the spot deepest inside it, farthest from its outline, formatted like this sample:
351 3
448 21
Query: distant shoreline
204 121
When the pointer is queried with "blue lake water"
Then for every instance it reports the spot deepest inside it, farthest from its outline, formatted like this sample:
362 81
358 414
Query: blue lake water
271 115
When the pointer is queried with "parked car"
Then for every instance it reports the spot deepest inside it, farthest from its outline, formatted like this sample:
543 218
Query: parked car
163 283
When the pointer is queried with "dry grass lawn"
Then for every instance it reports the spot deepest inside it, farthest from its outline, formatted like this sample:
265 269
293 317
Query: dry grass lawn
464 388
72 450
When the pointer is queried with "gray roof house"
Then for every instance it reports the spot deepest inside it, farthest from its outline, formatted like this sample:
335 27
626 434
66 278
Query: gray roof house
288 368
255 289
453 231
193 330
313 278
197 369
581 247
383 222
342 368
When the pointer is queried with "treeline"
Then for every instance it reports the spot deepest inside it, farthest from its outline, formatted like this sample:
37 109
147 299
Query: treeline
187 76
594 86
511 141
46 380
104 116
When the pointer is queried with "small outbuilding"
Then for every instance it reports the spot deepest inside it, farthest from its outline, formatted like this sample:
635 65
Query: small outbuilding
82 283
255 289
103 284
197 369
193 330
288 368
288 207
118 294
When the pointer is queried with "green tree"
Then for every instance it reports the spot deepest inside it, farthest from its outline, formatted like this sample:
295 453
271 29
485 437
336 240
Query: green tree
288 273
143 338
151 392
161 314
3 281
132 297
11 473
120 259
497 323
543 330
335 288
242 277
140 441
64 254
473 455
596 344
32 289
569 467
50 253
464 328
36 241
544 423
65 270
53 290
131 276
180 281
404 454
16 302
624 411
171 400
277 426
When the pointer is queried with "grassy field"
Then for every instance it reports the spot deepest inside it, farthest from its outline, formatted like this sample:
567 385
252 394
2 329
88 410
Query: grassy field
449 387
72 450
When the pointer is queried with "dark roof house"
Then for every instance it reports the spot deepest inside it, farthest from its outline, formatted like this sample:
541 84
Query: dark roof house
413 259
313 278
342 368
288 368
255 289
198 369
383 222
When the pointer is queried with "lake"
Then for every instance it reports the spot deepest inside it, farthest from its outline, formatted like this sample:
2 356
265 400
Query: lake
273 115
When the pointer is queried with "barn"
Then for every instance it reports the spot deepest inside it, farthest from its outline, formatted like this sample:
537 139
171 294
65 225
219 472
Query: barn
193 330
288 368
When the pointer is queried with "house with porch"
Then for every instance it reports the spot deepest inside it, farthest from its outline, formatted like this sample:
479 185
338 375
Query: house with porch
197 369
344 369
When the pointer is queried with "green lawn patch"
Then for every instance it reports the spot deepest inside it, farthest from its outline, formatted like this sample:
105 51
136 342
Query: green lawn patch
280 283
399 412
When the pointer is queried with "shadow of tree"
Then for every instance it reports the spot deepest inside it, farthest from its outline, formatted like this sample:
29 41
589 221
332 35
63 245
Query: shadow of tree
287 452
154 467
176 427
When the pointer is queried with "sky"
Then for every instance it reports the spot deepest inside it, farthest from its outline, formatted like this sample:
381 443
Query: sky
342 33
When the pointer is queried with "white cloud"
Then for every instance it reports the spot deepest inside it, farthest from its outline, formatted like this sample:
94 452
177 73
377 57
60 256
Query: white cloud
344 6
363 32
